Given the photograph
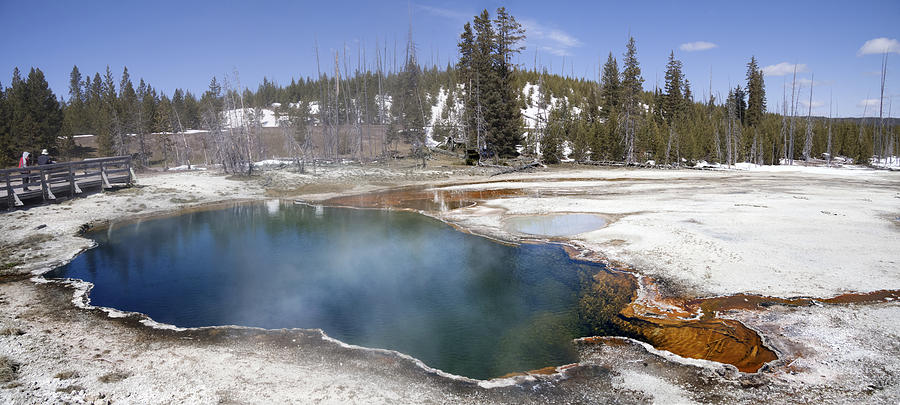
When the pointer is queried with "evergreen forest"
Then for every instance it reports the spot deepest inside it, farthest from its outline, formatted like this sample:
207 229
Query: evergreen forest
484 107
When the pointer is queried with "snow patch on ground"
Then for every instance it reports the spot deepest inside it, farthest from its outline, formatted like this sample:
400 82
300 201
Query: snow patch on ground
891 162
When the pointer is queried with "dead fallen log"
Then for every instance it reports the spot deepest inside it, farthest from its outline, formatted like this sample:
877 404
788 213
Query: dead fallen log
519 168
445 152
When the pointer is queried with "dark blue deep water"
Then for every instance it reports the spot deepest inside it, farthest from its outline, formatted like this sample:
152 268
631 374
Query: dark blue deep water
387 279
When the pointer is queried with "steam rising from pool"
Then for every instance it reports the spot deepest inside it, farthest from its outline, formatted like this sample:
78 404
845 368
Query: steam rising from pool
387 279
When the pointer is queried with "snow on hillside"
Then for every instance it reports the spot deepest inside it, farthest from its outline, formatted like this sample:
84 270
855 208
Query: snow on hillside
436 110
239 117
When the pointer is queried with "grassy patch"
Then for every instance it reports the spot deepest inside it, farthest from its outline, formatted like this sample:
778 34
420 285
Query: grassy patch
139 208
114 377
11 332
70 389
36 238
239 177
8 369
177 200
129 190
9 266
65 375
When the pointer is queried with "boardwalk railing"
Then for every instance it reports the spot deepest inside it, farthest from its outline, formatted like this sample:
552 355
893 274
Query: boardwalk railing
45 182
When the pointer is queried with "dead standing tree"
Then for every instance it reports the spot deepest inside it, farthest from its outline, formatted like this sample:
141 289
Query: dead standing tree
879 144
382 111
784 123
794 96
807 143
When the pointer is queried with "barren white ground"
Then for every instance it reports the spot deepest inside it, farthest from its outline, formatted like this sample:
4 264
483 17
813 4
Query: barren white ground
793 232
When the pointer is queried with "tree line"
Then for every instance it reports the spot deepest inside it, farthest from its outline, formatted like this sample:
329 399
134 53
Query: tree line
489 105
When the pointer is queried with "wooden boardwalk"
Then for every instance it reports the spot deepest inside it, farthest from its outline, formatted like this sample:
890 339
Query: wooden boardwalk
38 184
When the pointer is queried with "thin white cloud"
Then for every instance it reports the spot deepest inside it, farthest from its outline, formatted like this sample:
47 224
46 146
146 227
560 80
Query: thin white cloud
563 39
784 68
807 82
446 13
697 46
871 102
553 40
879 46
554 51
815 104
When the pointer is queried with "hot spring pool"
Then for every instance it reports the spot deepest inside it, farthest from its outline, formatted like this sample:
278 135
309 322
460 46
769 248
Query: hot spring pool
384 279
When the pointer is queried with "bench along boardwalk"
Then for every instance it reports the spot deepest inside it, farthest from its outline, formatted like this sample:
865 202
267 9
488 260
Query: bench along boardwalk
44 183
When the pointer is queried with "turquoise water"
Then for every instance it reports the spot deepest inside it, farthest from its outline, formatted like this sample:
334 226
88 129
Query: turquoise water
386 279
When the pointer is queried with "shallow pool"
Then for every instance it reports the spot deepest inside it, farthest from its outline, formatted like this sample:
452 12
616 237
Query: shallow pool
555 224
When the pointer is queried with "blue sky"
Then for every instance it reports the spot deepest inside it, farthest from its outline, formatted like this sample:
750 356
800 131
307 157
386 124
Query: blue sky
184 43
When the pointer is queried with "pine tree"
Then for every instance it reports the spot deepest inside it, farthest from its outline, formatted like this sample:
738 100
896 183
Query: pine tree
109 129
740 104
75 109
7 155
673 106
146 109
631 93
756 91
610 86
485 85
506 128
581 138
32 117
467 76
493 110
674 99
551 142
688 96
127 113
44 111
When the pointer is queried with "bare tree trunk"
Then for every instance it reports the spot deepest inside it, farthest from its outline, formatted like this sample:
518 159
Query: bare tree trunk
718 144
368 123
880 146
807 144
830 119
784 124
187 148
379 60
793 114
337 98
669 143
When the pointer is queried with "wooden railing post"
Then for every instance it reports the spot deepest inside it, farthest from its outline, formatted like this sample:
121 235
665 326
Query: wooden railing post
10 198
43 184
71 180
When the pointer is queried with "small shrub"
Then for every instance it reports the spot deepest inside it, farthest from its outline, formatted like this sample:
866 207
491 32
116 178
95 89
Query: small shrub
65 375
114 377
8 370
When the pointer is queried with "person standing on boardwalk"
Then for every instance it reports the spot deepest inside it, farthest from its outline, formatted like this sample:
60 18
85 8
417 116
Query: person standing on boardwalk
44 158
23 163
